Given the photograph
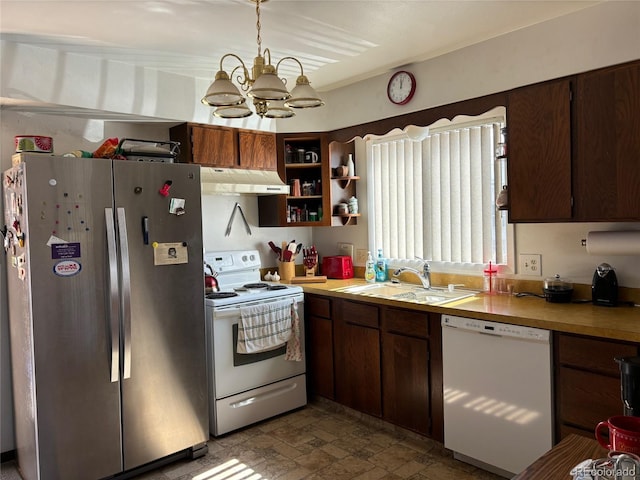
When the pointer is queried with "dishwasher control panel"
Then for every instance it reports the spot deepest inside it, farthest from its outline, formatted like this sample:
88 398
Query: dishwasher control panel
495 328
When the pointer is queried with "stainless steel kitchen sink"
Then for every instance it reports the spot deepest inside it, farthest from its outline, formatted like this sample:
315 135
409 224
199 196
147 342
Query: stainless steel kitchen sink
408 293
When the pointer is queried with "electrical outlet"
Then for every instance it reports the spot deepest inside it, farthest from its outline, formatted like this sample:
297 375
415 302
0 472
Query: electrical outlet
345 249
361 256
531 264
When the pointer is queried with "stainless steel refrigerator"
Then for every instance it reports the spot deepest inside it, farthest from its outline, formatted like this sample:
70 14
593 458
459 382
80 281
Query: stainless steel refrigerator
106 314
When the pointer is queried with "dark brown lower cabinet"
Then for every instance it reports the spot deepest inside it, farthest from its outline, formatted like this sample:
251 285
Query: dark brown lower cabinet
587 382
405 369
357 357
319 346
384 361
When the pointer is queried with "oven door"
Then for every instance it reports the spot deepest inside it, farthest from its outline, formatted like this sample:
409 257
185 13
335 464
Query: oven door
235 373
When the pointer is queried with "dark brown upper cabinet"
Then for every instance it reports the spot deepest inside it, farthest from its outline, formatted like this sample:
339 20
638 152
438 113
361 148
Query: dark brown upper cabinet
606 171
223 147
539 152
574 148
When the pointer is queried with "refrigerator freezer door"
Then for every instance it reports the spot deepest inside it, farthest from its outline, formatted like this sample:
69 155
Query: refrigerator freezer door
68 413
165 397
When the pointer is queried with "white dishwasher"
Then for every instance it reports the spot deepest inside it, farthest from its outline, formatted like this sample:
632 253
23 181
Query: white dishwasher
497 393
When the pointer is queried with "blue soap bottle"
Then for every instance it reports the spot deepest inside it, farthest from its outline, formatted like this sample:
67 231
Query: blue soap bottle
381 267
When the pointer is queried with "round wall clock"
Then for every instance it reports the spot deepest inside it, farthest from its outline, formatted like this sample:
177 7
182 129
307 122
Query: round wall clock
401 87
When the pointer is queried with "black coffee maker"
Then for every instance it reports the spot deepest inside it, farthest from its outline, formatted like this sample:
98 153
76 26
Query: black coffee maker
630 384
604 288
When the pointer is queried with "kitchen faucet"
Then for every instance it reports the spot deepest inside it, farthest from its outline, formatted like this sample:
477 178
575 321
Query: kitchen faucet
425 276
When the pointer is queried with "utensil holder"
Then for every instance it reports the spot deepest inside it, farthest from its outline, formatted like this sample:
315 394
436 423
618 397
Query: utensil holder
287 271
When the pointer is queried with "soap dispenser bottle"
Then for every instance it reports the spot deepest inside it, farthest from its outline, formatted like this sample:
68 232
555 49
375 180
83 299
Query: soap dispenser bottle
381 267
370 269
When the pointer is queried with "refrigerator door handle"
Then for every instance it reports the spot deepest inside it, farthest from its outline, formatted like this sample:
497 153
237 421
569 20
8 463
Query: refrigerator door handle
126 291
114 305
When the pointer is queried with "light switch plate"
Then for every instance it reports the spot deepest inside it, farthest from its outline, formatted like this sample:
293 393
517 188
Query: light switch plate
361 256
345 249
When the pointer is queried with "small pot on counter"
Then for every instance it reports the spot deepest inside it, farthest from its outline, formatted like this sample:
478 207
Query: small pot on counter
557 290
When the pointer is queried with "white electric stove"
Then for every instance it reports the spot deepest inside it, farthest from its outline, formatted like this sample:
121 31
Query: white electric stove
247 388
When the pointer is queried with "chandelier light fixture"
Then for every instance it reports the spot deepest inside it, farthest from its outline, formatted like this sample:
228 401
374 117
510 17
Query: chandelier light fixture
268 92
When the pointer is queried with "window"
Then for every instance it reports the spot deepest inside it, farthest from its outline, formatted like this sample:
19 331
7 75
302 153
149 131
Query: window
434 197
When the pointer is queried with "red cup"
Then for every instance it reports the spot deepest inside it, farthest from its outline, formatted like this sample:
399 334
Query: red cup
624 434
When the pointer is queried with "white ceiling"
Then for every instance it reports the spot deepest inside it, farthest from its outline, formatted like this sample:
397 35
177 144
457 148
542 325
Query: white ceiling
338 42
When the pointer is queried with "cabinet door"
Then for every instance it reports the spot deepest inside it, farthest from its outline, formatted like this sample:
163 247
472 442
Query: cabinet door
607 166
539 163
258 150
405 381
405 369
214 146
320 358
357 367
319 328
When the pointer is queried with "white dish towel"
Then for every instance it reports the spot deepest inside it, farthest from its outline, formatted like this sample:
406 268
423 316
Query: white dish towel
264 326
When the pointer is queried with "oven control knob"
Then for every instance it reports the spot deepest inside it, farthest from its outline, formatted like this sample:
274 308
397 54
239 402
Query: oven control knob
252 258
244 258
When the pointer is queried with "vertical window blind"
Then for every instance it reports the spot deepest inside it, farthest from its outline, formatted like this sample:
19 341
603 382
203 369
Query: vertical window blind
435 198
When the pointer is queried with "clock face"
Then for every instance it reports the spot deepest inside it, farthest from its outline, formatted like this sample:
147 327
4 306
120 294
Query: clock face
401 88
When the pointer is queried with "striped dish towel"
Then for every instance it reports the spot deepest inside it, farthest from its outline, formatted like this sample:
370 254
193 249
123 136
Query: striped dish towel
264 326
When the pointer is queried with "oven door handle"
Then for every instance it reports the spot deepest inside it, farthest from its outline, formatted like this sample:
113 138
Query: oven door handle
265 396
231 310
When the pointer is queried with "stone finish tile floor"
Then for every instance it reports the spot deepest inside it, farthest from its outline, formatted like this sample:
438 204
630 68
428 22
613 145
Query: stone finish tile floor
321 441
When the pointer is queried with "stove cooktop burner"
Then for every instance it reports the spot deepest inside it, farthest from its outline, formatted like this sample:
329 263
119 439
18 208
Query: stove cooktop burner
256 285
214 295
259 286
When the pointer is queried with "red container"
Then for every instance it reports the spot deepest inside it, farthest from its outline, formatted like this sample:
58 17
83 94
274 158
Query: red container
338 266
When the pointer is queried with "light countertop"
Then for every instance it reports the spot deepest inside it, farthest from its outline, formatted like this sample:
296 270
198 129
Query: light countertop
619 323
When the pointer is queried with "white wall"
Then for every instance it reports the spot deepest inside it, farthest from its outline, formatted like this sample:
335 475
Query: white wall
215 218
605 34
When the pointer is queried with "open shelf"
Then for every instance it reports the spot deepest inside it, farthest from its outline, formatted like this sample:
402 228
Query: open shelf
345 217
303 165
344 182
304 197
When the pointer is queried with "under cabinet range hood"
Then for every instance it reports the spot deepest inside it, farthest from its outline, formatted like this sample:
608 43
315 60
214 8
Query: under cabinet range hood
232 180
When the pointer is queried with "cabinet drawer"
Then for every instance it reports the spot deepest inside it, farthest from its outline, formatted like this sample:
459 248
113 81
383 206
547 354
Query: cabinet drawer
318 306
406 322
587 398
360 314
593 354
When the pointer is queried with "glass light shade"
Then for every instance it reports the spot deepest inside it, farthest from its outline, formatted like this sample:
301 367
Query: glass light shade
222 92
303 95
233 111
268 86
277 109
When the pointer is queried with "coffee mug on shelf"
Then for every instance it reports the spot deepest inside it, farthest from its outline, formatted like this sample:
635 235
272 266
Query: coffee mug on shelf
624 434
311 157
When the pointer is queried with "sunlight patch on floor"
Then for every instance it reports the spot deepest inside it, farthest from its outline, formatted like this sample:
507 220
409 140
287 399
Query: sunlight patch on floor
231 470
